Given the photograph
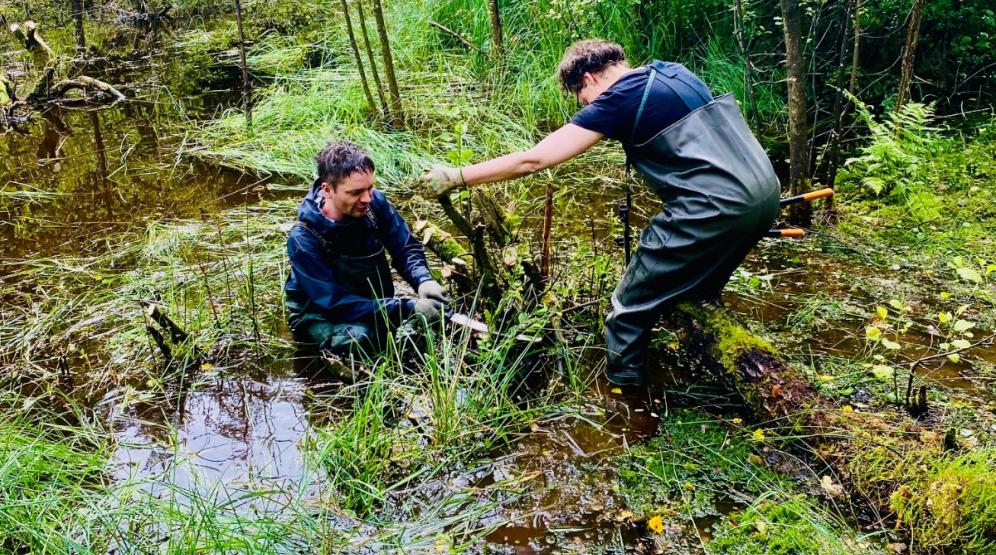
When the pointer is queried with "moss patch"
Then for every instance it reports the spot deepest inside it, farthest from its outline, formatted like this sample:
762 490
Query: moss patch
732 338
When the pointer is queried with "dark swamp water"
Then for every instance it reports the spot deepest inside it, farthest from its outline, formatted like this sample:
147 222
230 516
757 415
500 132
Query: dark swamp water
70 176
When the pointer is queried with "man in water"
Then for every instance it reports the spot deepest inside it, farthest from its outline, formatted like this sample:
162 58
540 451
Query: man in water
340 295
717 186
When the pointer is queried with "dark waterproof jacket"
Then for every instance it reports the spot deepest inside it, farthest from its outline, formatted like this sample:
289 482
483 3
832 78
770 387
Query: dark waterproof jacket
312 283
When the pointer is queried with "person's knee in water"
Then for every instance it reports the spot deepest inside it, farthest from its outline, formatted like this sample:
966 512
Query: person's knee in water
694 151
340 294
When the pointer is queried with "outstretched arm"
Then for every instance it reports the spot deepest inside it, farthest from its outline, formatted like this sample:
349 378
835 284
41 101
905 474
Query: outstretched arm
559 146
563 144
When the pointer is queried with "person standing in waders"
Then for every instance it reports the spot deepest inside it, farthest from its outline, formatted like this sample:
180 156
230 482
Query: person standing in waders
718 190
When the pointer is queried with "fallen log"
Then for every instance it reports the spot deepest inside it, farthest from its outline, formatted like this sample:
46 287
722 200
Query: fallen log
941 494
441 242
450 251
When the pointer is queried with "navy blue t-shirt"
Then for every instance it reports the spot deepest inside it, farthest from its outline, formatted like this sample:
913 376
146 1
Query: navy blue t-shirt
674 94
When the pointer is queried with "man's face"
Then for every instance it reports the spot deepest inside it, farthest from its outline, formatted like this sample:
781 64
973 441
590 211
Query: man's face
351 197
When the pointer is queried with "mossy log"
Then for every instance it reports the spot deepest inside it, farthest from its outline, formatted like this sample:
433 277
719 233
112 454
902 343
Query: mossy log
441 242
940 493
454 256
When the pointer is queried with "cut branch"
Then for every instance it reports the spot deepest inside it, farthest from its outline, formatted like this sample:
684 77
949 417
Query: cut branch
32 40
152 312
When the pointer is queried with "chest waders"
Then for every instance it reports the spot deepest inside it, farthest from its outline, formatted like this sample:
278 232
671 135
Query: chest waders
719 195
367 276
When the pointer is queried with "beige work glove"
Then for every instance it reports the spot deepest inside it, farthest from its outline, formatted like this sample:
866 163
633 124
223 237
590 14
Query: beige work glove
440 180
430 309
430 289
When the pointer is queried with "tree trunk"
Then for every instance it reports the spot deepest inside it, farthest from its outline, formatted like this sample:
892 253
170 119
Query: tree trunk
357 57
738 23
882 456
397 114
370 57
856 48
77 6
838 108
909 52
547 234
246 104
798 130
496 42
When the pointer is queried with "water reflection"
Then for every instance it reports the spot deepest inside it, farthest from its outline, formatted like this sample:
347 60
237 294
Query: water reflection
69 176
230 434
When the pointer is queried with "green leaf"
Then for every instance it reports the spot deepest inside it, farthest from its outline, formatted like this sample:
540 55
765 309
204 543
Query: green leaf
970 274
883 371
962 325
891 345
873 333
896 304
961 344
954 357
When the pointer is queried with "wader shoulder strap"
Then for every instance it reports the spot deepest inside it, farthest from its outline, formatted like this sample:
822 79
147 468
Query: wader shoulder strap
651 77
327 246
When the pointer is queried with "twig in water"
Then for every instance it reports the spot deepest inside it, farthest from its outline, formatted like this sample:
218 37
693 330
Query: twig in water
921 360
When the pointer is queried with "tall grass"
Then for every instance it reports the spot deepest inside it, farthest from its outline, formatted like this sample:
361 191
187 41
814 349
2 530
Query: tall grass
428 405
45 472
507 105
86 310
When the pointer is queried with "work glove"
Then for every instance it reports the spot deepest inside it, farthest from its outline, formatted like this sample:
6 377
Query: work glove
440 180
430 309
431 289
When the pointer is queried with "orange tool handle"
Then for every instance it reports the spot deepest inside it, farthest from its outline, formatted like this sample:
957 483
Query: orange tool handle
807 197
791 232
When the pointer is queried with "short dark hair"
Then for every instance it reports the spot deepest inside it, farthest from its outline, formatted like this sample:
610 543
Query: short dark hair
340 159
587 56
